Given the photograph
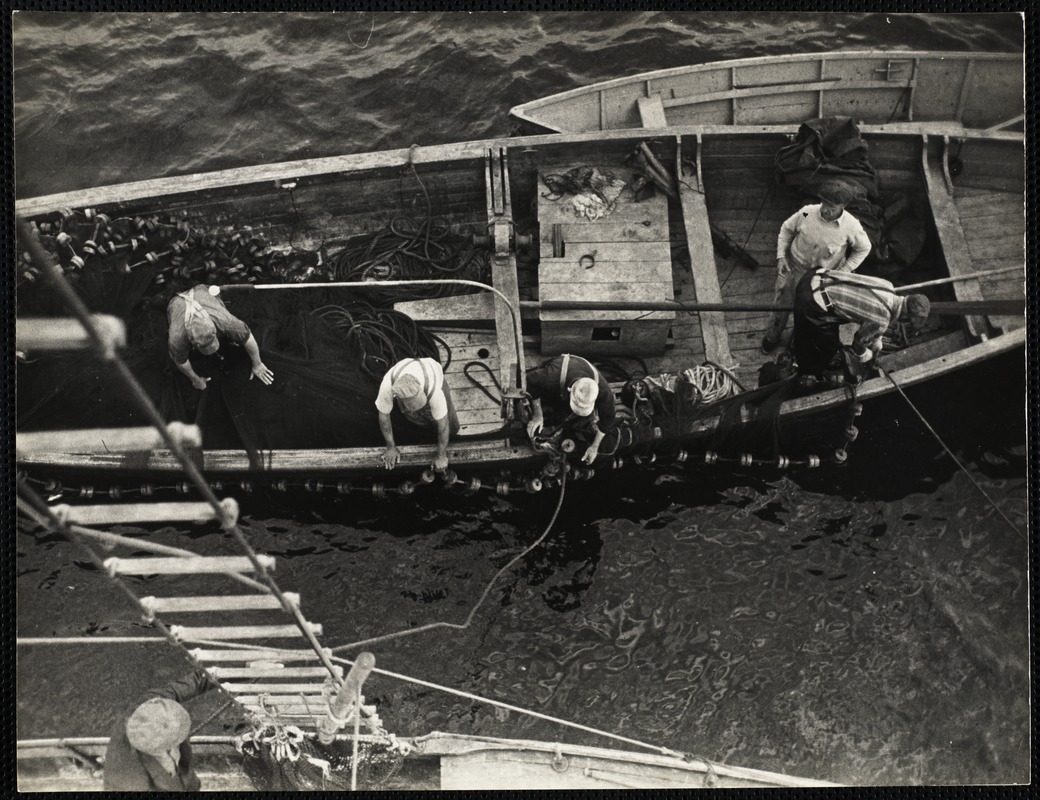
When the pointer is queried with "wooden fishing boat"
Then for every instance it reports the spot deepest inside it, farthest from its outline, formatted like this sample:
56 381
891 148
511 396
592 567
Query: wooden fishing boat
436 761
657 284
947 91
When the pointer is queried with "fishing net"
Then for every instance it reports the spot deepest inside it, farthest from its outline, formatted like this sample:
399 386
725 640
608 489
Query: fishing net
593 194
667 406
328 357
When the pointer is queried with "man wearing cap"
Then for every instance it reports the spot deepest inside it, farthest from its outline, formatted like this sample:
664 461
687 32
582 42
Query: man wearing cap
825 300
423 397
823 235
574 380
199 319
148 750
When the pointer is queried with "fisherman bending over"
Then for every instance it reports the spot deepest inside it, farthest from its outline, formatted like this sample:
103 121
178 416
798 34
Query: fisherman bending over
575 380
424 398
825 300
823 235
199 319
148 750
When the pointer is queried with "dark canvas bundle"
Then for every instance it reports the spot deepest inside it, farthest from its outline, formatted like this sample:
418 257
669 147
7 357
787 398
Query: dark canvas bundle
825 149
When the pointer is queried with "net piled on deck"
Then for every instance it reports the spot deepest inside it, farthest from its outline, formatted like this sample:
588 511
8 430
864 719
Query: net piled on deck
327 356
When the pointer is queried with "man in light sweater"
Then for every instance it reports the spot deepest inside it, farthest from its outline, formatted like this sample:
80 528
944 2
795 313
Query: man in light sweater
822 235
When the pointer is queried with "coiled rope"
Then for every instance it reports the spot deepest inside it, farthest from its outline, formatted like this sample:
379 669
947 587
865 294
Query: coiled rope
949 452
710 382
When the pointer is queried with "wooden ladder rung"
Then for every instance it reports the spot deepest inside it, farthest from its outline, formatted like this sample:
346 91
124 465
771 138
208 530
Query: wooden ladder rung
235 602
295 712
268 672
106 440
66 334
194 634
133 513
315 700
195 565
253 688
251 656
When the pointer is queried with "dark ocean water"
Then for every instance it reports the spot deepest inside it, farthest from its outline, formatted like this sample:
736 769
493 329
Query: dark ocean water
865 624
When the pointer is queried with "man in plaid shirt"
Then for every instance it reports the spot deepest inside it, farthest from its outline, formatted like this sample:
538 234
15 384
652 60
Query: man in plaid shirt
826 299
823 235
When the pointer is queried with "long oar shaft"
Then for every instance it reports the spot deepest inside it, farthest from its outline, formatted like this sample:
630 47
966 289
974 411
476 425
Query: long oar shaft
950 308
959 278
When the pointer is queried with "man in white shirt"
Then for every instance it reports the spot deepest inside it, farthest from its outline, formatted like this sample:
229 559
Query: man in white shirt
424 398
824 236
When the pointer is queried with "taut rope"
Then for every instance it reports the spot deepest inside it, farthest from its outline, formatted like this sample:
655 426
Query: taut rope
949 452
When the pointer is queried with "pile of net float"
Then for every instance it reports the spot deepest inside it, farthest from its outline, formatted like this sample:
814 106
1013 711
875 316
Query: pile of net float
127 243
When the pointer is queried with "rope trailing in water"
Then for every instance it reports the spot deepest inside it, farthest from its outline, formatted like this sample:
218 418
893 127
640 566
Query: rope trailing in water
949 452
483 595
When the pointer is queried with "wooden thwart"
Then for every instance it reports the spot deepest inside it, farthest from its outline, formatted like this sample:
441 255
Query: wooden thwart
198 565
702 268
951 235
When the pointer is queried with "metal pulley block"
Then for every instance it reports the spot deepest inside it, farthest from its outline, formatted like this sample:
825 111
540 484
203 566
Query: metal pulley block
502 236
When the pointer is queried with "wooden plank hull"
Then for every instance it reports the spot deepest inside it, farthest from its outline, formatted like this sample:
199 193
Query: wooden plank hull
973 90
465 763
650 246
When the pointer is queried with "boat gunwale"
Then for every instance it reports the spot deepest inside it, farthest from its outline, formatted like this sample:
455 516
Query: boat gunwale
437 744
418 455
354 163
521 111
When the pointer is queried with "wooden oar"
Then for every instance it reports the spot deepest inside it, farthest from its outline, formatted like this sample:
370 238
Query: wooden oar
958 278
942 307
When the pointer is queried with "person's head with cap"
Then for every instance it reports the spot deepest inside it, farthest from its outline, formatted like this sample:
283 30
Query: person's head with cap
202 333
583 394
407 389
916 310
835 195
158 727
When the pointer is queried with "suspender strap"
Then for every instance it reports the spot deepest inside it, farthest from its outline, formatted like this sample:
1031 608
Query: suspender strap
427 380
566 365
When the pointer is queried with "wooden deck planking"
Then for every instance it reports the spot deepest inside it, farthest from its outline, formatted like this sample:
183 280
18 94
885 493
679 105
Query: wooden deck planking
567 270
994 229
613 251
477 413
601 231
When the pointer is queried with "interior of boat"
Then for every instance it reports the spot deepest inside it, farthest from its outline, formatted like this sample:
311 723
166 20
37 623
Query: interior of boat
707 238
